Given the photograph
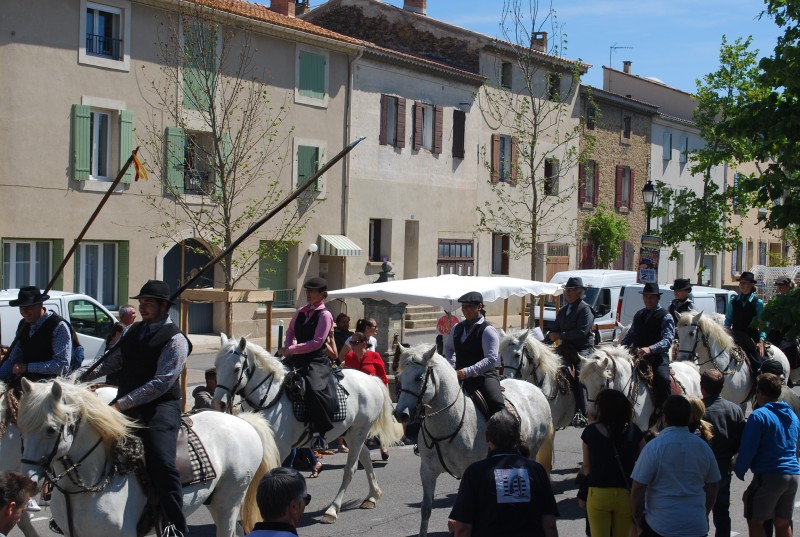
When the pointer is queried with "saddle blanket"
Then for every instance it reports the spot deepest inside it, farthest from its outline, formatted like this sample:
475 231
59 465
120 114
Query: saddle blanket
300 408
193 461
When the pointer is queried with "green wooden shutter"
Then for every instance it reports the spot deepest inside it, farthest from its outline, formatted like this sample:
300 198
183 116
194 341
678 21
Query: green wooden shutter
123 262
81 142
227 159
174 159
2 261
126 143
58 257
312 75
199 66
307 158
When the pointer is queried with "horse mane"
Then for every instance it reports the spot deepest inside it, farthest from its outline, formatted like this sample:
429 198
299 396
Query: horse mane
265 360
598 364
710 327
77 401
549 361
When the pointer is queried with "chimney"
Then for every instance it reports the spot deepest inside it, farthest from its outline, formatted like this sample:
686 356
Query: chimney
626 66
283 7
301 7
539 41
416 6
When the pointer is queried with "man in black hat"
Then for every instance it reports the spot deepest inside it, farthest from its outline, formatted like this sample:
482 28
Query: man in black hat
682 288
150 357
473 349
650 338
573 327
43 344
741 318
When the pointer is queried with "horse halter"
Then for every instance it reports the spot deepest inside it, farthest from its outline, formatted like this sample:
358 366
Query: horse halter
609 380
419 396
247 369
698 334
518 370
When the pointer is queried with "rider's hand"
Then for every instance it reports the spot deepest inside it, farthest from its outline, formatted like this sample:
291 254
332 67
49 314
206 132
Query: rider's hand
115 406
554 336
18 369
460 374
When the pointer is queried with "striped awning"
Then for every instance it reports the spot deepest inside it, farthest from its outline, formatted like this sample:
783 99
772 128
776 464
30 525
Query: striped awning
337 245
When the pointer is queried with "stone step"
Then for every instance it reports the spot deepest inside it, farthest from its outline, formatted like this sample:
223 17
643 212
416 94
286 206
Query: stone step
428 324
420 315
423 309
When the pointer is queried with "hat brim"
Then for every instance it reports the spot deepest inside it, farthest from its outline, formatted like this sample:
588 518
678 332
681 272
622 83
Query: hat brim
650 293
746 280
157 297
576 287
28 301
680 288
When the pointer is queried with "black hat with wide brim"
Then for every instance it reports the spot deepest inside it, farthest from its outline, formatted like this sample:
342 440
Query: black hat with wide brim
575 282
650 289
155 289
747 276
28 296
681 284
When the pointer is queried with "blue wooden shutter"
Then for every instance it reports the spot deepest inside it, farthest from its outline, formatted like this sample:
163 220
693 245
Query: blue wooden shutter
312 75
81 142
126 143
174 159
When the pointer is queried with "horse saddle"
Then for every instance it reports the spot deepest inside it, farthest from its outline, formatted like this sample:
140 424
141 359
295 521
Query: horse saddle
645 372
483 407
192 459
295 386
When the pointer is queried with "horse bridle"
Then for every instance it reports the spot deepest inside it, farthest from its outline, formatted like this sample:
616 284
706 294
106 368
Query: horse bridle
609 380
518 370
246 374
701 335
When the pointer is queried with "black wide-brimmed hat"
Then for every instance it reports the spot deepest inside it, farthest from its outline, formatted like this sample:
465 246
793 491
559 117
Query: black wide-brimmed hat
747 276
575 282
28 296
473 297
155 289
650 289
681 284
317 284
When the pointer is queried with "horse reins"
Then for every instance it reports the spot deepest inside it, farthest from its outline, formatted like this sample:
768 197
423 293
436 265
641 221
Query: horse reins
247 375
713 360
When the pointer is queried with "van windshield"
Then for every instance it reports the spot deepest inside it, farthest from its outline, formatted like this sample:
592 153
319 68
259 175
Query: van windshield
590 298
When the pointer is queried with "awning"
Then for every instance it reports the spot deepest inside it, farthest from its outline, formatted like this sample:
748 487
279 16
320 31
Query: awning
337 245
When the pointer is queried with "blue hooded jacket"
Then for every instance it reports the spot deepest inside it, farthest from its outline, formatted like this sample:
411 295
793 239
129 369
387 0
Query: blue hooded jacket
769 441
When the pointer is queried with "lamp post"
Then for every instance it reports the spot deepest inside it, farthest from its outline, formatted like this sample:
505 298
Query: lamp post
649 197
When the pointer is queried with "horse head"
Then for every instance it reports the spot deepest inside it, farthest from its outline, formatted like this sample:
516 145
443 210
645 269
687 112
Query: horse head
688 333
233 371
416 365
598 372
512 352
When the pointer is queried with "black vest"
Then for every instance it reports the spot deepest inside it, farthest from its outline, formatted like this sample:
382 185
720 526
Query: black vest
649 332
470 351
304 329
140 360
743 314
683 307
39 347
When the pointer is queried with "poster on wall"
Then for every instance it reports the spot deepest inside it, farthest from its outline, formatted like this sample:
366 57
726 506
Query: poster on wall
648 259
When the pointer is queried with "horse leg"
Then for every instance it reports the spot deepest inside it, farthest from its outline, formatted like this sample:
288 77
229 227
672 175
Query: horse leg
355 439
428 477
375 492
545 454
226 517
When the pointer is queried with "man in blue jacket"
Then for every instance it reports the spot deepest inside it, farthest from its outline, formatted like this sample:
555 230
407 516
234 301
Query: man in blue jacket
769 449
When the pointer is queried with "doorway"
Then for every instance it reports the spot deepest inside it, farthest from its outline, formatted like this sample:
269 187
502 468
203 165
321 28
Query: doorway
201 316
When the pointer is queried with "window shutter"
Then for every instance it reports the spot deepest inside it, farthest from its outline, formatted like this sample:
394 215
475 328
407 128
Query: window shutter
596 184
58 258
581 184
307 163
514 159
312 75
495 169
400 134
227 147
175 160
459 122
506 246
123 263
556 177
631 188
618 188
382 138
417 127
438 124
81 142
126 143
3 284
667 147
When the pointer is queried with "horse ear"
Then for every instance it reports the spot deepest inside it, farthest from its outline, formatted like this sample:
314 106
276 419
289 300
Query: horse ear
223 339
56 391
526 335
428 355
26 385
242 344
699 316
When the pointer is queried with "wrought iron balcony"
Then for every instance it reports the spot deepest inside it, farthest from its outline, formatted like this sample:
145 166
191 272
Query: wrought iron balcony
197 182
101 45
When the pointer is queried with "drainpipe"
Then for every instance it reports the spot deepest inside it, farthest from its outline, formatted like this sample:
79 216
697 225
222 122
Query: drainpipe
346 164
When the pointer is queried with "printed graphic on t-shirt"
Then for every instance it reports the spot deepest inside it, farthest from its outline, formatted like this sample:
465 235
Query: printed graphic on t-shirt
513 485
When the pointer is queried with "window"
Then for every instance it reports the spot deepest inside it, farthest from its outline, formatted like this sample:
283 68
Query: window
667 146
591 112
199 68
101 271
459 127
626 127
29 262
191 164
762 252
588 184
623 195
380 239
551 175
666 206
554 86
504 159
455 257
308 162
506 70
105 30
87 319
102 140
428 127
393 121
737 259
684 149
311 77
500 248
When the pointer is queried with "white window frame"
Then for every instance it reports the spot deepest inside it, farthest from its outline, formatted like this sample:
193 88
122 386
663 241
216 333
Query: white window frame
10 271
302 99
79 273
625 186
123 8
96 138
113 107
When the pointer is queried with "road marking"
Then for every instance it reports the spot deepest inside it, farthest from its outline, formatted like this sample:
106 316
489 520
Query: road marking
38 518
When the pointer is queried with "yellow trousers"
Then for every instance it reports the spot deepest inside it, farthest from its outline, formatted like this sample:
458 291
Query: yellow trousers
609 508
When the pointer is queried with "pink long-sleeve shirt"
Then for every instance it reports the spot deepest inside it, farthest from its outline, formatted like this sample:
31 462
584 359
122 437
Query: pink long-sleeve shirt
324 325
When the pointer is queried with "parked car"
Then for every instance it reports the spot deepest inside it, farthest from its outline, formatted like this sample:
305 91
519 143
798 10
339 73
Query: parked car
706 299
602 294
91 320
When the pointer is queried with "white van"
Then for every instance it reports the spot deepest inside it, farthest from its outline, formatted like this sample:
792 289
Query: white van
91 320
706 299
602 294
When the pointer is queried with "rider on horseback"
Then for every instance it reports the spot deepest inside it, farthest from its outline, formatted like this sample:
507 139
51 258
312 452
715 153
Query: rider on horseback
650 338
472 348
741 318
573 327
681 303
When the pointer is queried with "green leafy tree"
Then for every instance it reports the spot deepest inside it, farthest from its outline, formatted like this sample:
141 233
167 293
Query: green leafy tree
608 232
702 215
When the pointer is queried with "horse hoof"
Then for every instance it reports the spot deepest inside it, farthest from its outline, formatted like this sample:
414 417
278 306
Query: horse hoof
368 504
329 519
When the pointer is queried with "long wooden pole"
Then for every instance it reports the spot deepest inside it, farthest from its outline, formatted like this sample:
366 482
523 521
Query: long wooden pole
92 218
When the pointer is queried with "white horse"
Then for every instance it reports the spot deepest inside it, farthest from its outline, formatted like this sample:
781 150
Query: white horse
703 339
612 367
247 370
452 435
69 437
527 358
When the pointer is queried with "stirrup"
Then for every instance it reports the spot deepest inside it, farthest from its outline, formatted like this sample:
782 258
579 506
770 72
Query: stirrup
579 420
54 527
318 442
171 531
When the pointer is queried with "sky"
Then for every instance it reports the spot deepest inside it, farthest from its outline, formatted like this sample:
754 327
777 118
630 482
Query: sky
676 41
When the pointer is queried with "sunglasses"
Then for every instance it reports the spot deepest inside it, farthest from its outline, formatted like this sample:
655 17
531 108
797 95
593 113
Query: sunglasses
359 342
307 499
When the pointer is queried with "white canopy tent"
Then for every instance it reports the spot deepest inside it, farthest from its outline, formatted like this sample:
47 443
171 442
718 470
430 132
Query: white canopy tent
444 291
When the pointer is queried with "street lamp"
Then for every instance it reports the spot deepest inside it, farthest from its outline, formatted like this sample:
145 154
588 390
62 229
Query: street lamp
649 197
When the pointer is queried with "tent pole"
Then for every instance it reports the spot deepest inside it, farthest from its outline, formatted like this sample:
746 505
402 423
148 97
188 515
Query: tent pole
505 315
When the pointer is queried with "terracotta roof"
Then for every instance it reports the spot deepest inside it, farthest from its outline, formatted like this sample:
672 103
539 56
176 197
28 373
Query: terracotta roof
413 58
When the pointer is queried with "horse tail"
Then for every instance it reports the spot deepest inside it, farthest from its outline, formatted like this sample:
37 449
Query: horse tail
269 459
385 428
545 454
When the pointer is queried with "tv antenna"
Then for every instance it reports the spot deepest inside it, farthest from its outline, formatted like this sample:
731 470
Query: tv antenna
613 48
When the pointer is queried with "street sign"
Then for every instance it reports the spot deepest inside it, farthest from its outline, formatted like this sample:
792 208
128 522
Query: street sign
649 256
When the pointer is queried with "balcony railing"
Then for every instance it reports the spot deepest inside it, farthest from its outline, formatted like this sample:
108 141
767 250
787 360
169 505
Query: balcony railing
284 298
101 45
196 182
